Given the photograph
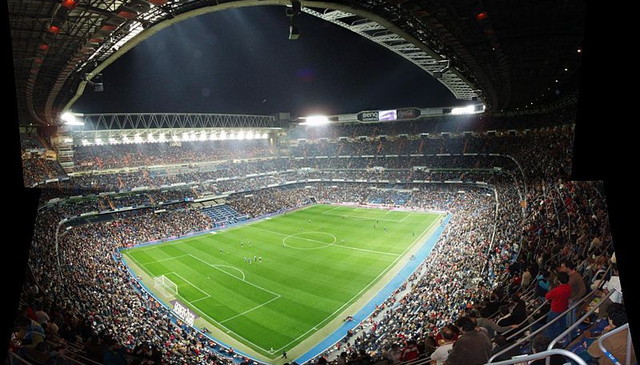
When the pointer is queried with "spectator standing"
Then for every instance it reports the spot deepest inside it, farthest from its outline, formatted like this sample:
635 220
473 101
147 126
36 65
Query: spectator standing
526 278
612 285
543 283
472 348
578 288
559 299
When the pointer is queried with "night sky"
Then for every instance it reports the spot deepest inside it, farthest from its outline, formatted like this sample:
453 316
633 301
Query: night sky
241 61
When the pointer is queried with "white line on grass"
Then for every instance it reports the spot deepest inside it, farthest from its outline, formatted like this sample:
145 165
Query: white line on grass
231 267
325 243
327 212
366 250
355 217
190 283
218 324
250 310
360 292
235 277
221 326
168 259
406 216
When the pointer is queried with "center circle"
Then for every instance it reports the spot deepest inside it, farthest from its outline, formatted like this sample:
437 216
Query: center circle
309 240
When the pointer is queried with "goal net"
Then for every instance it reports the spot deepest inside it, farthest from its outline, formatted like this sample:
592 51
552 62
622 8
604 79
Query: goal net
165 284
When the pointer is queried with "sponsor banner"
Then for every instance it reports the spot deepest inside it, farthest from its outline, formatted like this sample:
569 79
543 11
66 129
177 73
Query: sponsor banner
368 116
183 313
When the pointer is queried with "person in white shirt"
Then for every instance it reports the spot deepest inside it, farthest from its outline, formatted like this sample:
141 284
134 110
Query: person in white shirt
439 356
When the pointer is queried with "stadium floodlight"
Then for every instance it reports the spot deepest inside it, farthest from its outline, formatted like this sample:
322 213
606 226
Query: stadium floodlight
98 141
70 118
223 135
113 140
241 135
463 110
316 120
265 135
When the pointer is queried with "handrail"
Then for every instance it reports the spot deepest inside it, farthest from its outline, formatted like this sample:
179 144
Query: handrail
539 330
610 355
568 330
85 360
76 361
515 334
541 355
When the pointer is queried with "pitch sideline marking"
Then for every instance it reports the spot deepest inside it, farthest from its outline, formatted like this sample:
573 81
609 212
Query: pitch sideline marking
324 320
355 217
360 292
238 336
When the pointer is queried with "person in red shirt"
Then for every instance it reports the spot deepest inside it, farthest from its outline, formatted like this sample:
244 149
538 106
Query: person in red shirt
559 300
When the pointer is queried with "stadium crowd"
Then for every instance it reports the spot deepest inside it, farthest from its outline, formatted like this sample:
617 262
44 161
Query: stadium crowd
500 237
100 157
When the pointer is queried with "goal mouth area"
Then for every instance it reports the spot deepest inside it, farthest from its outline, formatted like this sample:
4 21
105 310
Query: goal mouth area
165 286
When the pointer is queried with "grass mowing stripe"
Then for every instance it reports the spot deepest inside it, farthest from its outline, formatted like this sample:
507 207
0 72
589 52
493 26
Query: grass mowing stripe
360 292
290 293
326 244
188 282
254 285
251 310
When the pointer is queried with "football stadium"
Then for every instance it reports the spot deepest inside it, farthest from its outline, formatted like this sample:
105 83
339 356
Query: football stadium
290 212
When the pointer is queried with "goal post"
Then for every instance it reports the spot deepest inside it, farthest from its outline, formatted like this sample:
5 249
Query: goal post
163 282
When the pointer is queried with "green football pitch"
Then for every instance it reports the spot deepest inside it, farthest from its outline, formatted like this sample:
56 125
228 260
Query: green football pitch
268 286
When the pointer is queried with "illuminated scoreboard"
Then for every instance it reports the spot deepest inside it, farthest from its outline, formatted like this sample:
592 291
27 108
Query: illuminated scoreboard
389 115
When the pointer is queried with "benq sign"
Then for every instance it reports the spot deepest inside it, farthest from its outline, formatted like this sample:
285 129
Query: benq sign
368 116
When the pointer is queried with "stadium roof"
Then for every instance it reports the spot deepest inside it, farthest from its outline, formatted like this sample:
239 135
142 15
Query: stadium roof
510 53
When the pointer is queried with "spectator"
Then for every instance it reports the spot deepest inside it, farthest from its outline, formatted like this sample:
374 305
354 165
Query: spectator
540 343
500 344
543 284
611 286
526 278
472 348
616 344
410 351
559 299
578 288
517 313
488 324
441 353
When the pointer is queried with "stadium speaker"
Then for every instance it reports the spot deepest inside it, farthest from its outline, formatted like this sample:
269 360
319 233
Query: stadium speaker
437 74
